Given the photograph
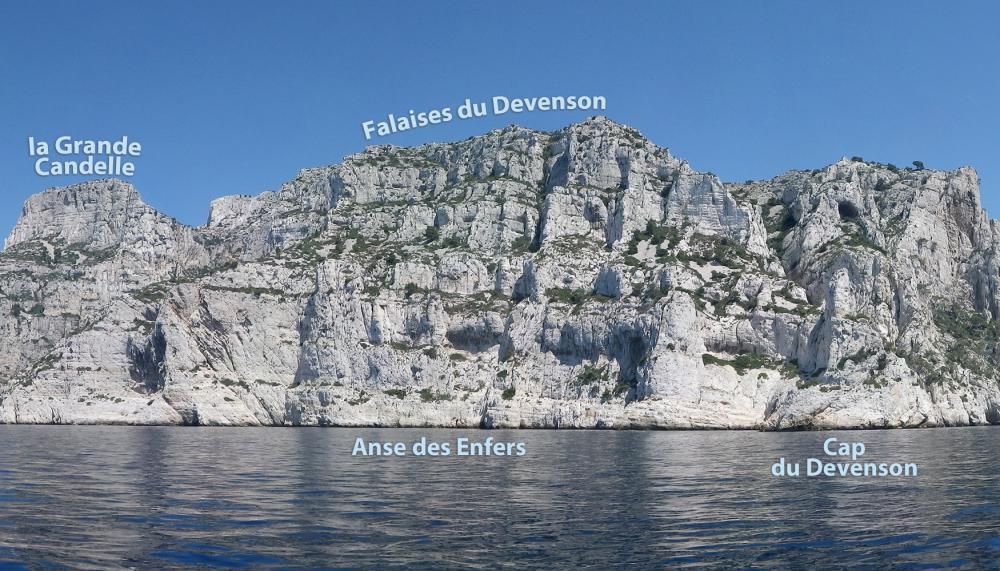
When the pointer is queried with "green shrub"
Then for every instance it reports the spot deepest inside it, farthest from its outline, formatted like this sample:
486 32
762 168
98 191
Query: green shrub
398 393
411 288
859 241
656 234
742 363
453 242
632 261
859 357
427 395
567 295
592 374
521 244
976 345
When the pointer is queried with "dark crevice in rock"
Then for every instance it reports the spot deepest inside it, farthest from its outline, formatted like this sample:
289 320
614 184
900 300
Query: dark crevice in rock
146 368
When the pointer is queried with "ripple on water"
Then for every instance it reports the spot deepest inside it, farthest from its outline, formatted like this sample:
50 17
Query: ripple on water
231 498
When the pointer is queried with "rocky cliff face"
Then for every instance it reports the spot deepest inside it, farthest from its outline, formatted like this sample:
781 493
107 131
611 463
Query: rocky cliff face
581 278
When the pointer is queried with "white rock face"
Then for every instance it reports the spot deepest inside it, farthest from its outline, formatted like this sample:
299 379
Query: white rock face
581 278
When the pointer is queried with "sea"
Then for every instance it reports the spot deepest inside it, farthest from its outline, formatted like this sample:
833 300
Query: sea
117 497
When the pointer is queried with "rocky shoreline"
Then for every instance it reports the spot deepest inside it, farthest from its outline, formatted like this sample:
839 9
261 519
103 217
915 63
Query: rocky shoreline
582 278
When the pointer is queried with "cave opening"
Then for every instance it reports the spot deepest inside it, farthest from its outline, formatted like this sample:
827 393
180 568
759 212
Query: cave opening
848 211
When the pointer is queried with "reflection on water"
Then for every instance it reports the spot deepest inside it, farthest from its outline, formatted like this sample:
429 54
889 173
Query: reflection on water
195 497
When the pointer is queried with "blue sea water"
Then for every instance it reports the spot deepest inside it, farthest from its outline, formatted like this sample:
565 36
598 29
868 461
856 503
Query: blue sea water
186 497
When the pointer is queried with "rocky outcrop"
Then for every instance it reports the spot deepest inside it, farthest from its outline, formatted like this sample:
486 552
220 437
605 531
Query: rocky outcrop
578 278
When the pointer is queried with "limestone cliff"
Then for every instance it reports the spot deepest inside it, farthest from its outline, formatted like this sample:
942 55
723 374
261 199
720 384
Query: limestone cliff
579 278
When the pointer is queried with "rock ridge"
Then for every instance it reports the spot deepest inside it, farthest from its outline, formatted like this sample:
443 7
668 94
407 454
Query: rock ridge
578 278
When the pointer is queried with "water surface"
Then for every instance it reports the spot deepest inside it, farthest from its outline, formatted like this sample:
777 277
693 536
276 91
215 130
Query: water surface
155 497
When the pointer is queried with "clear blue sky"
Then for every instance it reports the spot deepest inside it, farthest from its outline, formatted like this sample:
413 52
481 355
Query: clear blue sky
236 97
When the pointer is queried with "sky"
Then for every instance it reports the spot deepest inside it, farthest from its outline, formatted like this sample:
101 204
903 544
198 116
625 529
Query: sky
237 97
